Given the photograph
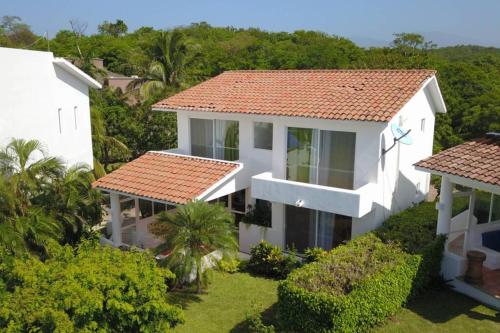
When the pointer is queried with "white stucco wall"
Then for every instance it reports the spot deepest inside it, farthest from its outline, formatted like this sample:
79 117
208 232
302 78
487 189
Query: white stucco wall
397 178
32 90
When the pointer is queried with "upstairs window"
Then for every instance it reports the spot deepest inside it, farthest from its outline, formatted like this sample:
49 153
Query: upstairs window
215 139
321 157
263 135
422 125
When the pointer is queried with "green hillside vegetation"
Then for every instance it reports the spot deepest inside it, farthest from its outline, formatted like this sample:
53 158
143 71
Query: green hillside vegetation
469 76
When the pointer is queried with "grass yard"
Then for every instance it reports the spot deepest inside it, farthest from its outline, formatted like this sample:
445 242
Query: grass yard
443 311
231 297
225 306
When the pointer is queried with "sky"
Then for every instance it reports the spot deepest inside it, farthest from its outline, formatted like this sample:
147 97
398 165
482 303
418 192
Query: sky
367 22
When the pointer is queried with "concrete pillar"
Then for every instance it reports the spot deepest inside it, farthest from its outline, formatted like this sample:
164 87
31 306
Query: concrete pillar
445 206
116 221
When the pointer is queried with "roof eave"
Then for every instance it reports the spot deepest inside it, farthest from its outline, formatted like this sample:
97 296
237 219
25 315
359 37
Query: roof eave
76 72
469 182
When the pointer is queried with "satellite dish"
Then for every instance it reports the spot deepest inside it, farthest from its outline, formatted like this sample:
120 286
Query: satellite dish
400 135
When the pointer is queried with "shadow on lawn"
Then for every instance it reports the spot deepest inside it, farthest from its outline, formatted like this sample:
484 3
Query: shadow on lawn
183 298
440 306
268 318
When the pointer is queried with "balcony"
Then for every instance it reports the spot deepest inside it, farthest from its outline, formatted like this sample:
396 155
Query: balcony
355 203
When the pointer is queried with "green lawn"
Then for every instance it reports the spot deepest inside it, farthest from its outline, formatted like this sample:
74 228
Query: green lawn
228 301
443 311
231 297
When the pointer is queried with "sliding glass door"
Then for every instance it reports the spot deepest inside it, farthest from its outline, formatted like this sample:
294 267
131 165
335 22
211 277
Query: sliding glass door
226 140
215 138
307 228
321 157
202 136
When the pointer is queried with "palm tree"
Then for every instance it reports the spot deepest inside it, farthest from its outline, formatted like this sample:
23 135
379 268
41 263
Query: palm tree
194 231
73 201
104 144
164 71
25 173
28 168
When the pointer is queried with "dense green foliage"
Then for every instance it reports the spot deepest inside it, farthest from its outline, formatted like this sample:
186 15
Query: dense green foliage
414 230
269 260
355 287
194 231
42 202
469 76
96 289
313 254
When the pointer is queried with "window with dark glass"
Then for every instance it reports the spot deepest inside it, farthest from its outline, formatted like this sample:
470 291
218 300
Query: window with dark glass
263 135
238 201
307 228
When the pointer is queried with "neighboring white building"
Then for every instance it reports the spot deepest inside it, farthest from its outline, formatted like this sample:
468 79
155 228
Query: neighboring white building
46 99
469 212
310 142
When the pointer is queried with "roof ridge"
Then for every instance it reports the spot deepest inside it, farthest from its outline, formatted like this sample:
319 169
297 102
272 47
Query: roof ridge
191 157
331 70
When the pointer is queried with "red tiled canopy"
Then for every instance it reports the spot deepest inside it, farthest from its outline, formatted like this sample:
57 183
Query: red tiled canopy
372 95
166 177
478 160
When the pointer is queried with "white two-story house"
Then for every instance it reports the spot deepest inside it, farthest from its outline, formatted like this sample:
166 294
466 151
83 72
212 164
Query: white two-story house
316 146
47 99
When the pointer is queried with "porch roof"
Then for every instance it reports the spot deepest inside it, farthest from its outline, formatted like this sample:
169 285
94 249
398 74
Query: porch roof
168 177
477 160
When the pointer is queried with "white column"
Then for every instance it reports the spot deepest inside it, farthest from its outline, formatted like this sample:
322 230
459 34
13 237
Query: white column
279 150
116 221
445 206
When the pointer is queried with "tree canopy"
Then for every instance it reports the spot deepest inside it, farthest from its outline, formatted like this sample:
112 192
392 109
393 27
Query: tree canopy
469 76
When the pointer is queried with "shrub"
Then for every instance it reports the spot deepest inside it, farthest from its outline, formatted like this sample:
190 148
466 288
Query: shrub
313 254
229 265
269 260
96 289
414 230
353 288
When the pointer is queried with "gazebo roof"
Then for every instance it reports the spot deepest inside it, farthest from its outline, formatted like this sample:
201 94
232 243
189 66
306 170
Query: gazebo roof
477 160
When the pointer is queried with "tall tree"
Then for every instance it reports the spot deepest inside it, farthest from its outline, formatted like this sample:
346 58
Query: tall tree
165 70
194 231
119 28
107 149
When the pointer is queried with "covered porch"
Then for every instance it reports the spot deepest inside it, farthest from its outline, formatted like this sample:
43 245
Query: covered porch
158 182
469 214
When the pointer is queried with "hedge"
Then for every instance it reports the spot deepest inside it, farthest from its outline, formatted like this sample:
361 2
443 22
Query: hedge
358 285
353 288
414 230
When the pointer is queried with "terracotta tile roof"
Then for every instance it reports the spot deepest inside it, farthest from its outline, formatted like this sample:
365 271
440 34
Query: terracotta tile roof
374 95
477 160
166 177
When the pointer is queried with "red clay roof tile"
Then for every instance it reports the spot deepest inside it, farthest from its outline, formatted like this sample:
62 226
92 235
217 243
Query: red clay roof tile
166 177
372 95
478 160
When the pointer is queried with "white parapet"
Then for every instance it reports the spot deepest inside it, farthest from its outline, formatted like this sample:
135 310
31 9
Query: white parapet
355 203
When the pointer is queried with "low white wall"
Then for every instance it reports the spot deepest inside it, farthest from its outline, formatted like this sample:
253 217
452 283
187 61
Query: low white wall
355 203
250 235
